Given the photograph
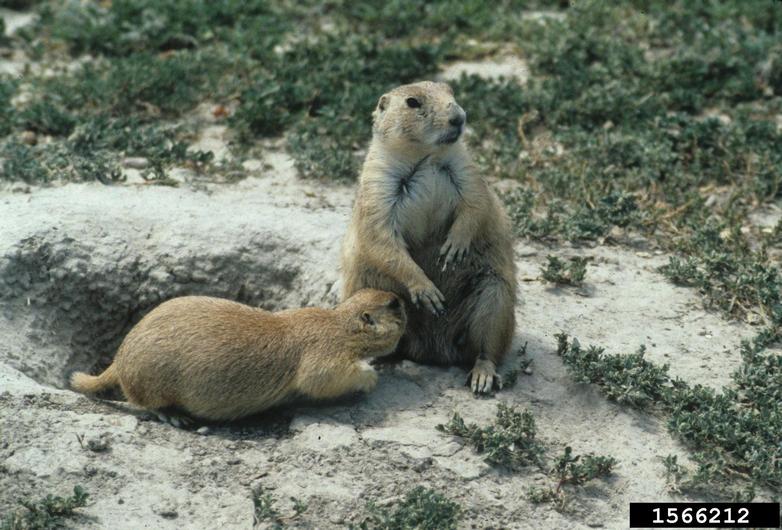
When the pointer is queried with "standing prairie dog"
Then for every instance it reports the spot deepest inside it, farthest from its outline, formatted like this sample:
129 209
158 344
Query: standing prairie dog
220 360
427 227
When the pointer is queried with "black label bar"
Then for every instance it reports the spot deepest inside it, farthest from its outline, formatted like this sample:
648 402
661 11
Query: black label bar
704 515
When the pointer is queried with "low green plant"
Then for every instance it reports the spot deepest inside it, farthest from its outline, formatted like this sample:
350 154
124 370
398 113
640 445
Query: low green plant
47 513
139 85
510 377
265 510
18 4
20 163
263 507
125 27
299 506
47 115
579 469
572 470
422 508
325 92
510 441
733 275
7 91
560 272
626 379
734 432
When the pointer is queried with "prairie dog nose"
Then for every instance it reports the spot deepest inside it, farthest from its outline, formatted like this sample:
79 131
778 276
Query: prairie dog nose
457 116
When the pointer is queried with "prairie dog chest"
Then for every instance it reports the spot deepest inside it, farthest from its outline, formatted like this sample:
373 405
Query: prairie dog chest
425 201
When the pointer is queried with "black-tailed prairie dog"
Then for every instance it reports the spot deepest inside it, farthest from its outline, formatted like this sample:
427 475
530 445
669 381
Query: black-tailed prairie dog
427 226
220 360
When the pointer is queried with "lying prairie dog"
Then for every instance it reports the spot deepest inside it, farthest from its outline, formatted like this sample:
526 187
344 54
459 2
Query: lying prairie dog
221 360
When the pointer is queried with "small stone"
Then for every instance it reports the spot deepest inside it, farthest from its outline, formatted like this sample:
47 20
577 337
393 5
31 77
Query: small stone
528 370
203 430
136 162
421 464
617 232
97 443
29 138
166 509
252 165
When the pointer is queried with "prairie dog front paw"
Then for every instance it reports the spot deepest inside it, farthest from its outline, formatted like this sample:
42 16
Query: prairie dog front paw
454 250
366 379
429 296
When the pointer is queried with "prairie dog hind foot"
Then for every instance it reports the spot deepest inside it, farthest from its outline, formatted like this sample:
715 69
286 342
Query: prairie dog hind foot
483 377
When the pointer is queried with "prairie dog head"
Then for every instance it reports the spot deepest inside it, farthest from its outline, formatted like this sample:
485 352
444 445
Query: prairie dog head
423 114
376 320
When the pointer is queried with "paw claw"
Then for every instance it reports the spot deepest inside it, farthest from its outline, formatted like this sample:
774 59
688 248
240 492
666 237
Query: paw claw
483 377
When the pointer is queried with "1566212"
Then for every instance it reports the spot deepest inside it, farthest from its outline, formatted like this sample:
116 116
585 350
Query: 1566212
704 515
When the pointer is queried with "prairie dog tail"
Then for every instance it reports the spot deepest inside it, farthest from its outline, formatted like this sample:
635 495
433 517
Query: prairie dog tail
90 384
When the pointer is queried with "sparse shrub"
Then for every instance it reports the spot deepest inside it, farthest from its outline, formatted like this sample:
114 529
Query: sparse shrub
263 507
48 513
7 90
422 508
560 272
21 163
627 379
510 378
572 470
682 271
47 116
733 430
126 27
141 84
510 441
326 92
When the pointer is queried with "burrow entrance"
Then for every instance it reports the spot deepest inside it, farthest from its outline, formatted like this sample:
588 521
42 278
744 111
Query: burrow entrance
68 304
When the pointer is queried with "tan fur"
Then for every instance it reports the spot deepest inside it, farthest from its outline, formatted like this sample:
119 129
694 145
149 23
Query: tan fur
220 360
421 206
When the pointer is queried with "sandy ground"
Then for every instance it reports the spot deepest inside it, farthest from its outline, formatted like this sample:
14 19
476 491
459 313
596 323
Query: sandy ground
79 264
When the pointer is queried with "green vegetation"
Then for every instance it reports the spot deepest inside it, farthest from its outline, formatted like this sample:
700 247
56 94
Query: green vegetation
510 377
264 509
509 442
326 92
573 470
734 433
7 90
626 379
422 508
612 125
48 513
560 272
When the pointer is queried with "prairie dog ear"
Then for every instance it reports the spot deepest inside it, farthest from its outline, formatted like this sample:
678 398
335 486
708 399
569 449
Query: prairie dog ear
361 323
382 103
367 319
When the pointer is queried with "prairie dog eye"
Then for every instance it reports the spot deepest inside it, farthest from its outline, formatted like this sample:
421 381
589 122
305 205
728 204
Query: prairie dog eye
413 103
367 319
